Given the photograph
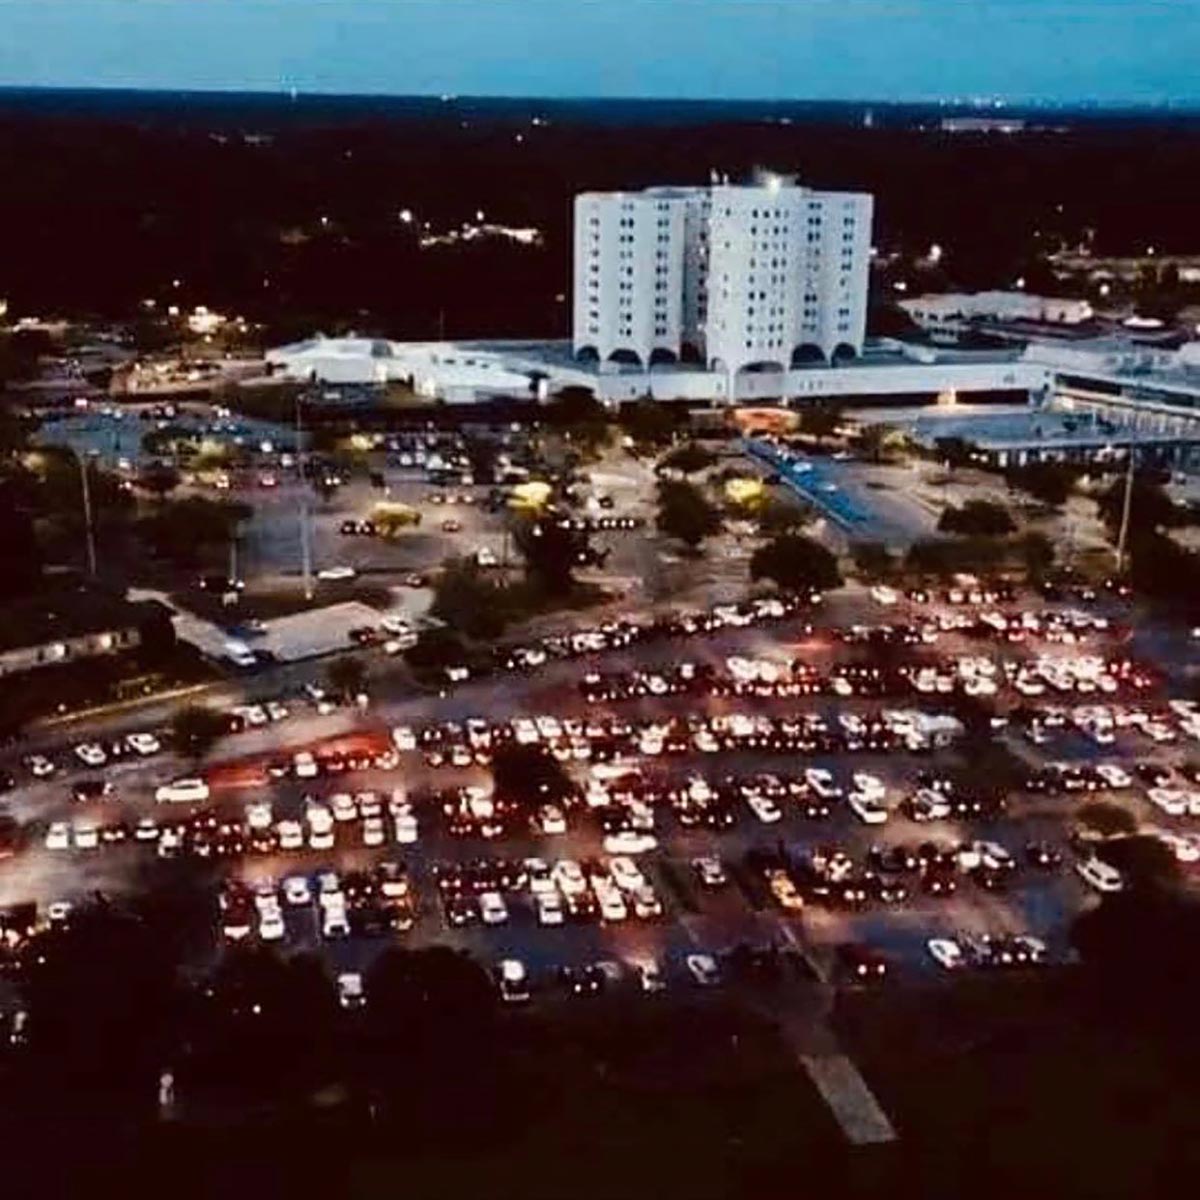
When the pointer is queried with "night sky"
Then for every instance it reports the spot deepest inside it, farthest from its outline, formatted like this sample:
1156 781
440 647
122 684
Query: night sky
1066 50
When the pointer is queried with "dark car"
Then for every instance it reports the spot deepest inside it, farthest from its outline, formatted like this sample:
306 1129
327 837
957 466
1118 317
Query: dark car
1044 855
861 964
582 981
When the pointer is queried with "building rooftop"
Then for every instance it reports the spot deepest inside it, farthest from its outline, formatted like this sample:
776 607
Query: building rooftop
75 610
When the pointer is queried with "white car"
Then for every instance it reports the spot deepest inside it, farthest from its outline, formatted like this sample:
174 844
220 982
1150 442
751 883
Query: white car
91 754
403 738
296 890
629 841
291 835
1114 776
612 903
85 835
513 980
350 990
550 820
868 784
649 976
146 830
626 874
270 921
343 806
332 574
320 827
334 922
868 807
764 808
406 829
704 969
258 814
1172 801
885 595
182 791
58 836
373 832
570 878
276 711
549 909
304 765
253 714
40 766
646 904
1100 875
946 952
822 783
144 744
492 909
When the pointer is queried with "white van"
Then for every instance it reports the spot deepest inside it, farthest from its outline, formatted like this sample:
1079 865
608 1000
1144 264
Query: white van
1100 875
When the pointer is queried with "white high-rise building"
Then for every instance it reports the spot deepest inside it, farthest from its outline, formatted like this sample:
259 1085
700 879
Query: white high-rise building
770 274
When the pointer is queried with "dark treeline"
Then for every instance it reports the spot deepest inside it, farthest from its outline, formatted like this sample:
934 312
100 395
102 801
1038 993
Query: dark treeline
109 198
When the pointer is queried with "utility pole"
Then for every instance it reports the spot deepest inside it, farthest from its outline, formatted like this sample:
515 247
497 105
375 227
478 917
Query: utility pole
87 514
1125 507
305 545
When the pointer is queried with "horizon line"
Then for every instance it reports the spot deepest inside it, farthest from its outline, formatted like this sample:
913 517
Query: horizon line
983 102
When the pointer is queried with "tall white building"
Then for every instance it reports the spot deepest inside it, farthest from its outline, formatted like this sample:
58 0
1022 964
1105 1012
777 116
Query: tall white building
770 274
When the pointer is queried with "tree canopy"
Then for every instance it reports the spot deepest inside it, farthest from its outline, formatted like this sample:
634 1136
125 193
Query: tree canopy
688 458
195 729
467 599
684 512
796 563
977 518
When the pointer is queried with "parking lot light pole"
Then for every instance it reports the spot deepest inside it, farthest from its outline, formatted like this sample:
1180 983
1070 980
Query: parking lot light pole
87 513
305 544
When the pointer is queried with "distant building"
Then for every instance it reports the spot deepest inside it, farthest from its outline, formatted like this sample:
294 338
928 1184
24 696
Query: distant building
728 276
982 125
952 313
67 625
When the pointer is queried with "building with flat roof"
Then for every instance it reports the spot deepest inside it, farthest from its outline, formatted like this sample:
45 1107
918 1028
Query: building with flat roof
726 277
950 314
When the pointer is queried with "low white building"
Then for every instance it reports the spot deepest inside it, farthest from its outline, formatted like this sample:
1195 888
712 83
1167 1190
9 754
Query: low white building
952 313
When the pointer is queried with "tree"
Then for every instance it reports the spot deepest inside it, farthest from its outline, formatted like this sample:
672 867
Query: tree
159 479
528 776
102 1000
881 443
955 451
796 563
1037 553
649 423
968 555
1145 861
977 518
435 650
1107 820
781 515
468 601
347 676
1161 568
685 513
820 421
688 458
873 560
552 550
19 549
391 519
1150 508
181 530
1050 482
196 729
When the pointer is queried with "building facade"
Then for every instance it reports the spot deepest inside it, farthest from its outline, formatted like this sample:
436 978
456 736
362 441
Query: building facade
768 275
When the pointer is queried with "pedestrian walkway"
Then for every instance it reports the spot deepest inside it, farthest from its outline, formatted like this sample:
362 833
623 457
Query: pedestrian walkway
850 1100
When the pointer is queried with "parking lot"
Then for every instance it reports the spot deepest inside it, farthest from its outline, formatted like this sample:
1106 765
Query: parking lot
754 776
